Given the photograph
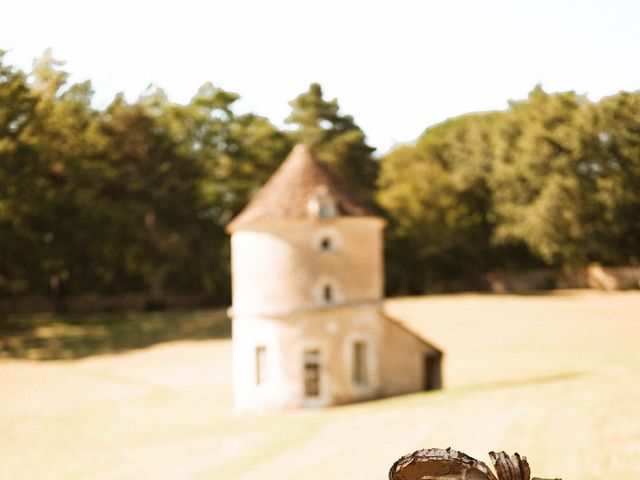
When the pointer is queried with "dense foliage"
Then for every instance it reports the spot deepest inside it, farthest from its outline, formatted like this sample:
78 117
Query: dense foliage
131 198
135 197
551 181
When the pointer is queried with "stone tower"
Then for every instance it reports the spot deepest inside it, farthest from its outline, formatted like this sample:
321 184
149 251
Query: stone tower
308 324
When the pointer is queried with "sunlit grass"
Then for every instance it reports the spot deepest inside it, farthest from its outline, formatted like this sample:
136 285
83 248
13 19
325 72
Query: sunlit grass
553 376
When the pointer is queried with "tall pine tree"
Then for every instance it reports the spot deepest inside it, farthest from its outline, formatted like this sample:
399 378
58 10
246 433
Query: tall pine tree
337 140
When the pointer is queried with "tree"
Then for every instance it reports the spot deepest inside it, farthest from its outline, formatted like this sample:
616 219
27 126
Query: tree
615 166
543 183
236 155
238 152
17 109
437 198
338 141
51 184
153 193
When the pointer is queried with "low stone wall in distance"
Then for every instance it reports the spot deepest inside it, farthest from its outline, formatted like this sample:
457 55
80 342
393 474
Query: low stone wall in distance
593 276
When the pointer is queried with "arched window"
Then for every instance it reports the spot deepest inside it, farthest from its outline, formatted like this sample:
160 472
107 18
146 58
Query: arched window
326 239
327 293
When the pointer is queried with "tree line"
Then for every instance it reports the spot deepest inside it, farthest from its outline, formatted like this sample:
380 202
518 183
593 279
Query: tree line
554 180
135 196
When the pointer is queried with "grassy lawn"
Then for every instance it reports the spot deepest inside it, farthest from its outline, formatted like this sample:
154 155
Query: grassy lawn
556 377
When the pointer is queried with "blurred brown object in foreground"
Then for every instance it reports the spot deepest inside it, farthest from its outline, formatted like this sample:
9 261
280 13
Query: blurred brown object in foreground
438 463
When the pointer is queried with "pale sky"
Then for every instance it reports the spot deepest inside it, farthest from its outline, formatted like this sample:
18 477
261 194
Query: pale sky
396 66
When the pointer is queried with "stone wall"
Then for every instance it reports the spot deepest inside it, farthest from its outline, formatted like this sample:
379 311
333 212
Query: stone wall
395 357
403 361
284 267
594 276
329 331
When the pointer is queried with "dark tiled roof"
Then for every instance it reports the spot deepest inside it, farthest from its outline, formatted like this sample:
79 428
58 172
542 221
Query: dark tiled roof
287 193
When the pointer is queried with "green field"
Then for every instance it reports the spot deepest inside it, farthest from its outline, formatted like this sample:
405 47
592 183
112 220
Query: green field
554 376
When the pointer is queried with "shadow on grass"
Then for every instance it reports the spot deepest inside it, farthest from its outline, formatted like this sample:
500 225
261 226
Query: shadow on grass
444 395
68 336
520 382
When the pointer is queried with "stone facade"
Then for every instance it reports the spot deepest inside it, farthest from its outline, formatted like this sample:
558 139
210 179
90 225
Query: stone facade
308 323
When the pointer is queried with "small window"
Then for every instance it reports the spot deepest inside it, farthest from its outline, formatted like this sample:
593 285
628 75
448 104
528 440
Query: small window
360 369
312 373
322 204
326 245
261 365
326 239
327 209
327 294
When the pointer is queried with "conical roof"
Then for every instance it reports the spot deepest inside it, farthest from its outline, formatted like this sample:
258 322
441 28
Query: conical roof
299 180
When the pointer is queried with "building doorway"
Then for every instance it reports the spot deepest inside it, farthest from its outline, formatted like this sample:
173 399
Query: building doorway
432 373
311 373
